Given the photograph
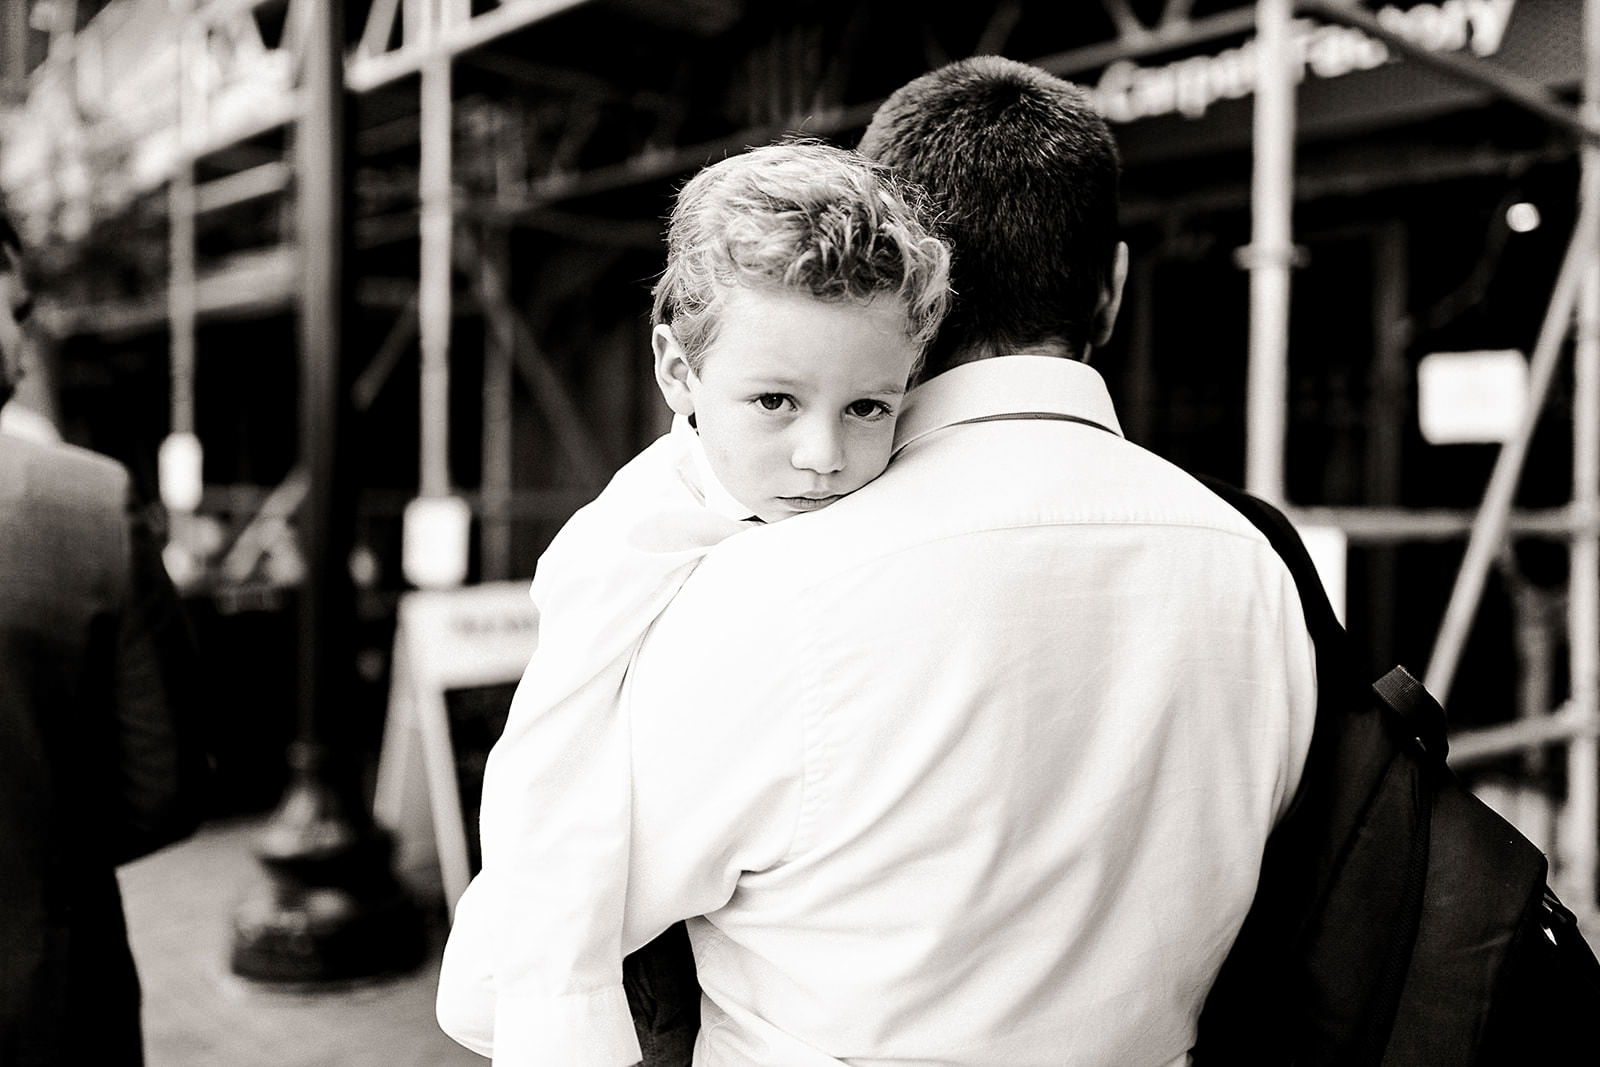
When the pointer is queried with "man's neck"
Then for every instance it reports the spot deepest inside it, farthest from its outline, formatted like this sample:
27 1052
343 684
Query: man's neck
1053 348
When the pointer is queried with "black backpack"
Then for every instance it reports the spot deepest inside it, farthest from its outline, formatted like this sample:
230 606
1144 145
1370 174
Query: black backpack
1398 919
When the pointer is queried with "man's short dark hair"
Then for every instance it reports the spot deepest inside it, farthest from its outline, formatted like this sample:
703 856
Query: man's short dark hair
1025 173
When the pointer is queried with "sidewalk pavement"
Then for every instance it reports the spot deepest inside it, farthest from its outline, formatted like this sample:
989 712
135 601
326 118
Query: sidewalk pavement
197 1013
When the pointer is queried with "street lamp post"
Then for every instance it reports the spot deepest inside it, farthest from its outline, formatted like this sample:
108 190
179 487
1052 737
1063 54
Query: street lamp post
330 907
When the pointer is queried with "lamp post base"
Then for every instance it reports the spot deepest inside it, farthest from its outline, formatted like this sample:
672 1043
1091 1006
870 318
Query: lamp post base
330 908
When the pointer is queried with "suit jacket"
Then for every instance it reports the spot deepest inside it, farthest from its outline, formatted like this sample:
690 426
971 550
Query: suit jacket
100 761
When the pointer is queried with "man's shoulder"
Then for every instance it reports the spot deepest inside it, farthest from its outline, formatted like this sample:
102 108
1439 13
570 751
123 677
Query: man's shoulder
60 455
998 479
1202 499
64 473
65 514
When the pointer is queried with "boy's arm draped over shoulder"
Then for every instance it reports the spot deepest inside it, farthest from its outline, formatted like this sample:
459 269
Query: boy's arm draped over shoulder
717 705
533 969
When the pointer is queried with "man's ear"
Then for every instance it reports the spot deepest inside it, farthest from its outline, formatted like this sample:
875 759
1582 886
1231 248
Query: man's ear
1105 312
672 370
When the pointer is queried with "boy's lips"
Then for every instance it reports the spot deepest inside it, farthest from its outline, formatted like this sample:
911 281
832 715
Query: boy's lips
810 503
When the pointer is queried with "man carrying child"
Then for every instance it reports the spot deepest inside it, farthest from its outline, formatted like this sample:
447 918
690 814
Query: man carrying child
975 766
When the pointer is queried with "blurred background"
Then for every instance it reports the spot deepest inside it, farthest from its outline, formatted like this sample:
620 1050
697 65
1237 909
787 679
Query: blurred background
1347 291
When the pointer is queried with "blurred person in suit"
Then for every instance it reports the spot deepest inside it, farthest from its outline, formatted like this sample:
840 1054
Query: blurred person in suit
100 753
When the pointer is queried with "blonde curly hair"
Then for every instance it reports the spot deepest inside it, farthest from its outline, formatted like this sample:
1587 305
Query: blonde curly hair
801 216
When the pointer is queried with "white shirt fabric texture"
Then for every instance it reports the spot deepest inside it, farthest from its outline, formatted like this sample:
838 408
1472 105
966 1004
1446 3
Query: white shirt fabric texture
533 965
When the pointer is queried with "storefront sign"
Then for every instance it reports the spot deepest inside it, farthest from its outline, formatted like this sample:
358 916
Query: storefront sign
1127 92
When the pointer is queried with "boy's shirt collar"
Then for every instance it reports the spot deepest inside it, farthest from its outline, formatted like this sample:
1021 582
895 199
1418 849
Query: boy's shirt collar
713 495
1007 387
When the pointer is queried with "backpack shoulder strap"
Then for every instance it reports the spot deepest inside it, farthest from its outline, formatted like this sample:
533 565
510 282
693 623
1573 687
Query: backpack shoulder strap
1314 973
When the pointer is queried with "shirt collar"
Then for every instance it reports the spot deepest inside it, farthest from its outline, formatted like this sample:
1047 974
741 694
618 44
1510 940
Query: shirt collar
1008 386
714 496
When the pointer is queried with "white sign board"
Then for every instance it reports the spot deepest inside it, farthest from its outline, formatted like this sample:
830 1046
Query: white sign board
1471 397
457 639
1329 549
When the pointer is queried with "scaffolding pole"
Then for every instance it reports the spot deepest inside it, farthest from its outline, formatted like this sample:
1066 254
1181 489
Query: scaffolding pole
1270 254
1578 841
1489 527
434 306
179 466
499 420
181 295
437 525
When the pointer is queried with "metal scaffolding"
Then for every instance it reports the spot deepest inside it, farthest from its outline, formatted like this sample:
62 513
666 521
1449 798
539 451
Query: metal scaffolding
1574 304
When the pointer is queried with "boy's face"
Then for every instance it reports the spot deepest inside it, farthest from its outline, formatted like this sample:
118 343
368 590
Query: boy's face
796 399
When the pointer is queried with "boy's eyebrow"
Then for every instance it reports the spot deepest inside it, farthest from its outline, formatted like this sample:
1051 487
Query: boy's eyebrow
777 384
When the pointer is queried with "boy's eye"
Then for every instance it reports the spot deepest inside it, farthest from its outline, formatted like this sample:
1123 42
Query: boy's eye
772 401
868 409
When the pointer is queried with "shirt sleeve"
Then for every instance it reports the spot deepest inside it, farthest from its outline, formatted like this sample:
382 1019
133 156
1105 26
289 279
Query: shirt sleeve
540 937
554 828
465 1002
718 711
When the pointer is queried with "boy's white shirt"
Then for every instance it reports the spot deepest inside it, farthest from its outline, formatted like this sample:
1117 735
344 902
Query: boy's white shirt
532 971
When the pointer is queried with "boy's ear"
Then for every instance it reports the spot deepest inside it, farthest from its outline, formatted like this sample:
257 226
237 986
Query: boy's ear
672 370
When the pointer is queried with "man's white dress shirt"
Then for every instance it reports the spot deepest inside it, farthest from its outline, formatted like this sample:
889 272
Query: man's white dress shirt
976 766
533 967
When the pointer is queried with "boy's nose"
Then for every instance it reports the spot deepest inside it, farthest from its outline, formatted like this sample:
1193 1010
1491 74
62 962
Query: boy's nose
819 447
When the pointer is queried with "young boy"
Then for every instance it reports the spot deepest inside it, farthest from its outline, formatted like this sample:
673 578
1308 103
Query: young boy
802 284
